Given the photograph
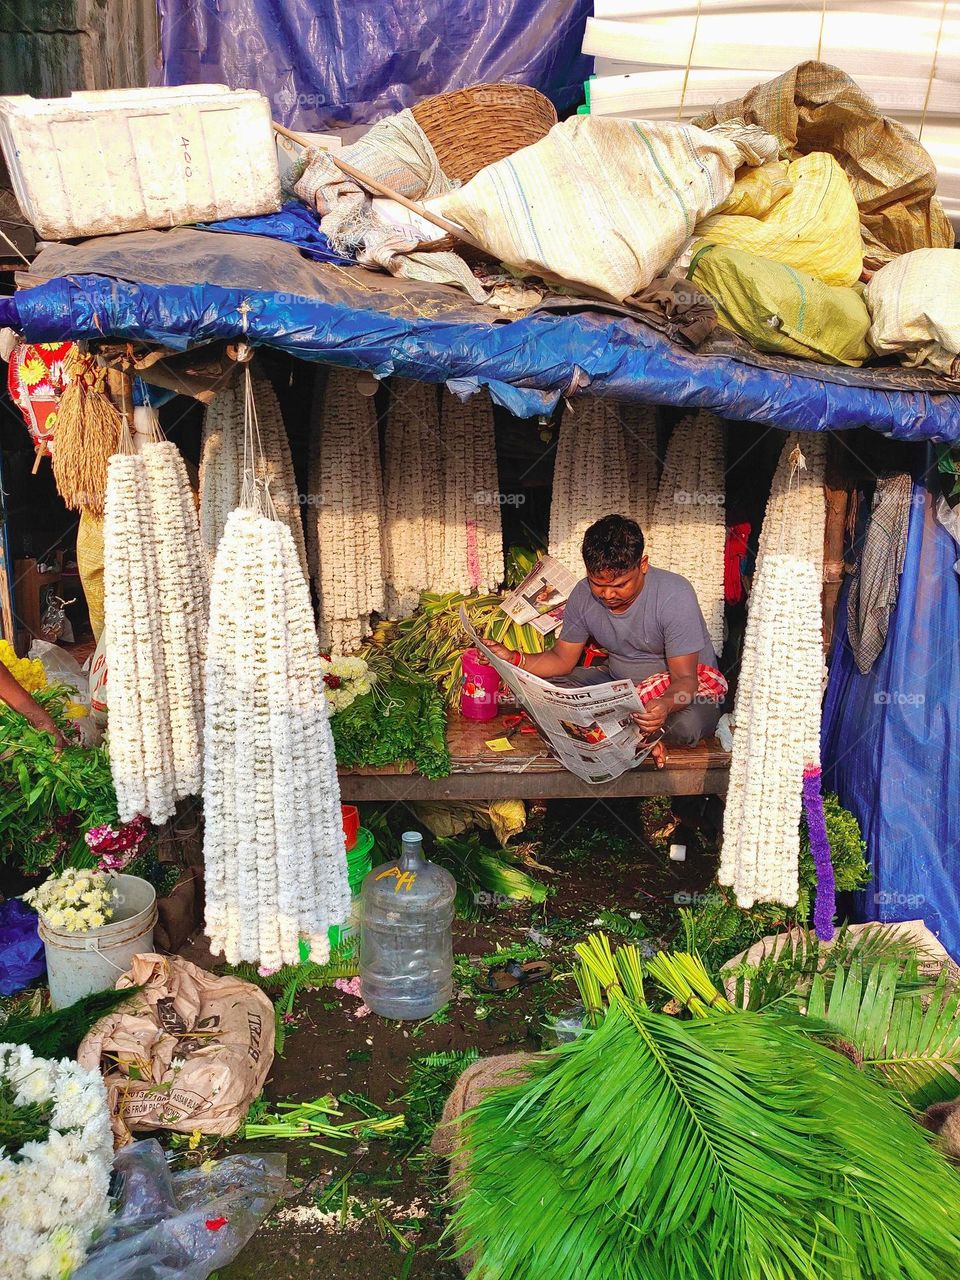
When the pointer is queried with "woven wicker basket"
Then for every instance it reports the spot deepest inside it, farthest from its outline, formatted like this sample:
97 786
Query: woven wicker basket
474 127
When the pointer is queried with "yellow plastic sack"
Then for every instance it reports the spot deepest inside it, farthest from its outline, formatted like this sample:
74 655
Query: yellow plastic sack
90 567
777 308
816 228
756 192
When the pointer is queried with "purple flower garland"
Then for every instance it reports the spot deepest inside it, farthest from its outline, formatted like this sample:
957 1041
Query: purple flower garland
825 906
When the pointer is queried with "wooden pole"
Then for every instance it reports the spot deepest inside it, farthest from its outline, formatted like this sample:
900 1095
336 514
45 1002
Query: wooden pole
836 492
381 189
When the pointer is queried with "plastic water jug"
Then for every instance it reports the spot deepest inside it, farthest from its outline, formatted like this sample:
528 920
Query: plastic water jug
406 946
479 687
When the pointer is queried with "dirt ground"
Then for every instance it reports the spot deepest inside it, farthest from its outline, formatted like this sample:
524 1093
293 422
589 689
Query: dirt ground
378 1210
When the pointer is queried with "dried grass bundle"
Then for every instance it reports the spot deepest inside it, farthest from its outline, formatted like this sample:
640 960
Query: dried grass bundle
87 433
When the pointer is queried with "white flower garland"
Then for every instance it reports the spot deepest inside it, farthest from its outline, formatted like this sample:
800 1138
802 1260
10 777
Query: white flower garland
53 1194
688 529
777 713
182 593
221 462
591 477
273 839
413 495
473 527
141 751
346 498
639 423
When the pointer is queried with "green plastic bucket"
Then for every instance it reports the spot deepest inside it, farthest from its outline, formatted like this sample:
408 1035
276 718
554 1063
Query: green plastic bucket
359 864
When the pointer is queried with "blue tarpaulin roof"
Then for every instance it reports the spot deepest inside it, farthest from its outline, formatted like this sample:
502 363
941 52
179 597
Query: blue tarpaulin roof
139 287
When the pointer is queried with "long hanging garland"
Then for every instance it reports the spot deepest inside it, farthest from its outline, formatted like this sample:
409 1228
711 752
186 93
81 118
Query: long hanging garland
590 475
688 528
413 496
155 606
141 751
346 497
182 592
776 747
639 422
273 838
473 527
221 463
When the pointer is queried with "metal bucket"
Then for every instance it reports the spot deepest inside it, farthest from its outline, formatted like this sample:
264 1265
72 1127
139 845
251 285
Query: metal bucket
81 963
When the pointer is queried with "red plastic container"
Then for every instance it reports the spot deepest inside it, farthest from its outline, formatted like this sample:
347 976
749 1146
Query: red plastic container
351 823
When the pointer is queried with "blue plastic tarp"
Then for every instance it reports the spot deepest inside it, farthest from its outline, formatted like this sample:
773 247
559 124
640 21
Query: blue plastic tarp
527 364
891 739
293 224
22 958
328 64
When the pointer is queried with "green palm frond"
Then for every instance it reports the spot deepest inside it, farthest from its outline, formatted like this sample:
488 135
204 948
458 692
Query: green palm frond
907 1030
792 959
731 1145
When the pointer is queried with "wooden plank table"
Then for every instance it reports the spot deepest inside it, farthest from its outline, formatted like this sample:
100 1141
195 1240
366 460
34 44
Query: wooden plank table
530 772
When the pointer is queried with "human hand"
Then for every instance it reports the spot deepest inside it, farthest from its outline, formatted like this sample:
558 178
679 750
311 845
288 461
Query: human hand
653 716
500 650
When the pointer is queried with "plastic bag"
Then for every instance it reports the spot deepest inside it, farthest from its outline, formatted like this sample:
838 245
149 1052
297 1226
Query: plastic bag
778 308
913 303
62 668
185 1225
21 951
816 228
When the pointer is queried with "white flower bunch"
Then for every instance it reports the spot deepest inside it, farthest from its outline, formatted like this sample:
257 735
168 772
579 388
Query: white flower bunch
273 839
688 528
639 423
345 679
221 462
53 1194
413 495
182 595
473 527
777 713
346 498
591 477
75 900
141 736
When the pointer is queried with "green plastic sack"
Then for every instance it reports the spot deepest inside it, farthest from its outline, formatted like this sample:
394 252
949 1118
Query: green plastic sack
777 308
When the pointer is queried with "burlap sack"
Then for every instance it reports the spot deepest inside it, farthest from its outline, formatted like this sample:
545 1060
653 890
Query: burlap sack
189 1052
472 1086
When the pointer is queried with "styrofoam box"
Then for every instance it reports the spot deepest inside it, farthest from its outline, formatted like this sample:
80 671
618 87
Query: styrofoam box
131 159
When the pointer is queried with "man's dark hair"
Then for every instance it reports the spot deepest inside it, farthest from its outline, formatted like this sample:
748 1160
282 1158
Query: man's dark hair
612 545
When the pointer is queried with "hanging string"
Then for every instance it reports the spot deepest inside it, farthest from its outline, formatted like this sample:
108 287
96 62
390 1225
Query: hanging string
686 73
933 70
255 487
125 442
823 18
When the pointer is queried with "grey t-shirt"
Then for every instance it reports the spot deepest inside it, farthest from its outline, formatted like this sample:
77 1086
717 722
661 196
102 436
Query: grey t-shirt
665 621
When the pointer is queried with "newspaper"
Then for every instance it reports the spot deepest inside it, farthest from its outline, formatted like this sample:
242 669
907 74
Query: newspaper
590 729
540 597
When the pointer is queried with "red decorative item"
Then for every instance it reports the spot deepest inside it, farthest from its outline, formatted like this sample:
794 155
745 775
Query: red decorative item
35 380
593 653
214 1224
351 823
734 551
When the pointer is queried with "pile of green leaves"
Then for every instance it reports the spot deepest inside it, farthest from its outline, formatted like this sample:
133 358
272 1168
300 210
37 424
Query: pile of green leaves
49 800
401 719
484 876
724 1143
57 1033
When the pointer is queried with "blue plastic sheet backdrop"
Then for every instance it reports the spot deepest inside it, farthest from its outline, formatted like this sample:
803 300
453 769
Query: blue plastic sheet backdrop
327 64
527 365
891 739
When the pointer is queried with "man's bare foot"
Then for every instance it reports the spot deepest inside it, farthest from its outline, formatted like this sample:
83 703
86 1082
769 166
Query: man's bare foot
658 754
